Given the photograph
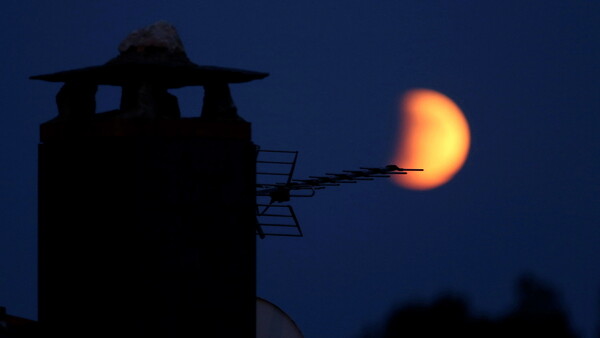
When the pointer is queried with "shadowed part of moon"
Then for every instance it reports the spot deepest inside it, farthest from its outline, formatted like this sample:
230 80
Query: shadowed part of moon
433 135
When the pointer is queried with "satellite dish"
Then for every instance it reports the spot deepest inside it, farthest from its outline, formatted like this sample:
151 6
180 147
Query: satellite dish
272 322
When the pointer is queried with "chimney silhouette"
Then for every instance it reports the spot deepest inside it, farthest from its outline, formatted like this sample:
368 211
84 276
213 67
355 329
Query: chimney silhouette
147 219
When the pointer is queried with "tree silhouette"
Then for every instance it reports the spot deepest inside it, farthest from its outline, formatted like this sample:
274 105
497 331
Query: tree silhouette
537 313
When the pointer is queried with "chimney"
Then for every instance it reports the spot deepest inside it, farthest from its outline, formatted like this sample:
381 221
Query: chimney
147 219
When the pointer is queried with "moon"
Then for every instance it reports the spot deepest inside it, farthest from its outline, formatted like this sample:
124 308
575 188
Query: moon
433 135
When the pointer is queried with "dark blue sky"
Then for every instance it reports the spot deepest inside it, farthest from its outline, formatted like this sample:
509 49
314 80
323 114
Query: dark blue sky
526 75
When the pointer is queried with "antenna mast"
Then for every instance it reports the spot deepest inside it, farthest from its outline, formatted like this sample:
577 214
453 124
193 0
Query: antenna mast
279 192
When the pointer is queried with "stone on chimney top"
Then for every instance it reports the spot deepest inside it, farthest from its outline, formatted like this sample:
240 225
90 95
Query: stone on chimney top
158 35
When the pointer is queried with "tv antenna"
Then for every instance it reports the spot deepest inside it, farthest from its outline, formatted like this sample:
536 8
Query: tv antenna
281 163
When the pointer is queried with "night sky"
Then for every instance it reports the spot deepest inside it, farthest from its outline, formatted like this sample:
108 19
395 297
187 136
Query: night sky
525 73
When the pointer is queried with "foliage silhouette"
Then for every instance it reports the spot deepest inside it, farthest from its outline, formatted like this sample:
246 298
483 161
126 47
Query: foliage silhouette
537 313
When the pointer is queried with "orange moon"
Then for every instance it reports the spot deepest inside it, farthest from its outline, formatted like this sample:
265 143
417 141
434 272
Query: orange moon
433 135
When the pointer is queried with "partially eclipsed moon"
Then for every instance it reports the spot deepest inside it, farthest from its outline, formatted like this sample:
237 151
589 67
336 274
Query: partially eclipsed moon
433 135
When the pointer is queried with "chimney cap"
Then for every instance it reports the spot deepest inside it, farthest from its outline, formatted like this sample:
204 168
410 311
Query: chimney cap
153 54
